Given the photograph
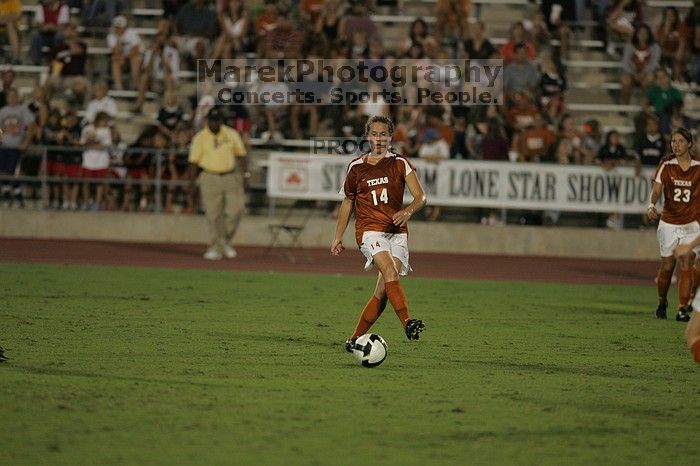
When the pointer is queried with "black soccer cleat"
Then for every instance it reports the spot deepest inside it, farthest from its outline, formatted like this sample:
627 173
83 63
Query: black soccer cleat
3 358
661 311
683 315
413 329
349 345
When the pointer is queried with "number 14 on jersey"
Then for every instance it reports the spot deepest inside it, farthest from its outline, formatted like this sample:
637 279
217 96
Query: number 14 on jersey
383 196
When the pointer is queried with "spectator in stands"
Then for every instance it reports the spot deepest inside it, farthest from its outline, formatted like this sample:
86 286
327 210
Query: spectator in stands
552 87
612 154
521 112
69 138
535 143
96 139
17 124
116 172
624 18
101 102
478 47
452 20
10 14
286 40
358 21
161 66
591 137
652 147
68 66
520 75
170 115
459 149
676 118
110 8
478 127
171 7
568 146
417 33
138 160
692 39
233 23
558 14
7 76
639 61
274 112
671 37
177 170
433 149
375 104
662 96
219 152
266 21
328 25
517 37
196 26
39 106
126 48
50 18
309 12
53 167
494 145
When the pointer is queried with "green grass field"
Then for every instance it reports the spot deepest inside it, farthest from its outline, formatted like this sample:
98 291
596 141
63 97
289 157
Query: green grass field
151 366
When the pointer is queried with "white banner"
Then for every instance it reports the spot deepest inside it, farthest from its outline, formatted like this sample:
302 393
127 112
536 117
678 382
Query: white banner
463 183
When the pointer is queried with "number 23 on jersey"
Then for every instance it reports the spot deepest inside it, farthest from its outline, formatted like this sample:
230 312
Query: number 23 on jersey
679 195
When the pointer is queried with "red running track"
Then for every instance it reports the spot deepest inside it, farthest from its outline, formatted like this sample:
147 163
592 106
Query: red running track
457 266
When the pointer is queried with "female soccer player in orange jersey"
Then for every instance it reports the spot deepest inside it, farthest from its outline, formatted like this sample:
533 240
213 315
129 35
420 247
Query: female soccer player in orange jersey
374 188
692 332
678 177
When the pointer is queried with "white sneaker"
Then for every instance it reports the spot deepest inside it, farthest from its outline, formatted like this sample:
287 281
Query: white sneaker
229 252
212 254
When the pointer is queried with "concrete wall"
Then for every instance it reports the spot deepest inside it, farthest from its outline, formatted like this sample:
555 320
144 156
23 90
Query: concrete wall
432 237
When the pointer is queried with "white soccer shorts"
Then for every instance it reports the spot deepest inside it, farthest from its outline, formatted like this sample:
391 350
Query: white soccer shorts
670 236
395 244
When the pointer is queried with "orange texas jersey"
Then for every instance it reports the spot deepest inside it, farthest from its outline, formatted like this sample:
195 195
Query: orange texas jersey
377 192
681 190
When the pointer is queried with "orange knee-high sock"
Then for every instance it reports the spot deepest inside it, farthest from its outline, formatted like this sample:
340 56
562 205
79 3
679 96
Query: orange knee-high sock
397 298
685 277
373 309
663 282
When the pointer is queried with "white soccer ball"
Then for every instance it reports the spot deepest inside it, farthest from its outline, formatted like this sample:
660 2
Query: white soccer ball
370 350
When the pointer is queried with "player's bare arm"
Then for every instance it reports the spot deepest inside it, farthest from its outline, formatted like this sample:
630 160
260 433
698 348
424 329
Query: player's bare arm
652 213
343 219
401 217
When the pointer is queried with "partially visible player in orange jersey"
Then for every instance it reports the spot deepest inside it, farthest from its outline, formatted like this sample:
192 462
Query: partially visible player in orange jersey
692 331
678 177
374 188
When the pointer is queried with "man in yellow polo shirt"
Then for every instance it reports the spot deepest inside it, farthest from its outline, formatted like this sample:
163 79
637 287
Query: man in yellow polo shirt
219 153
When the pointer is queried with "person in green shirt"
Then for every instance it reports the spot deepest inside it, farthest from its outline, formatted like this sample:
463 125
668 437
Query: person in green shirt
661 95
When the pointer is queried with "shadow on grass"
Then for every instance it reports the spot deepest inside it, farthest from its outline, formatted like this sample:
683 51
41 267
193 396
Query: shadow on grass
53 371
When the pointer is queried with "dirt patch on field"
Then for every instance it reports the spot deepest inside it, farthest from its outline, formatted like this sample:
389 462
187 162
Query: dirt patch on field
188 256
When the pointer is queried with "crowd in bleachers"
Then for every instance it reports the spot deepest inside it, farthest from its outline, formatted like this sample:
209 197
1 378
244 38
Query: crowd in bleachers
77 116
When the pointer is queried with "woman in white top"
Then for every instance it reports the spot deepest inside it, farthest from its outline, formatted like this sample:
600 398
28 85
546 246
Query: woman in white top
234 21
126 48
